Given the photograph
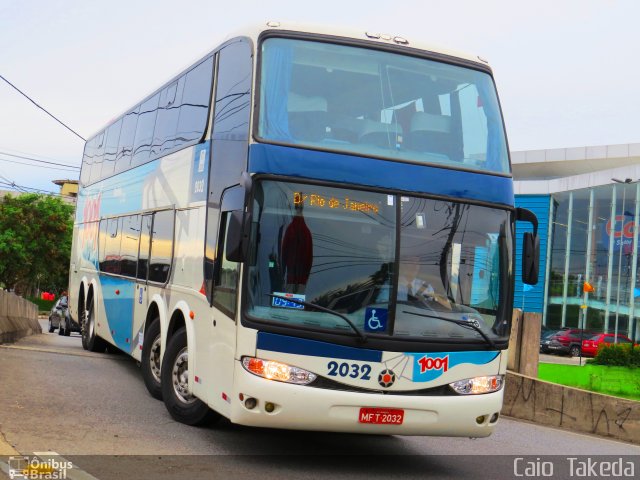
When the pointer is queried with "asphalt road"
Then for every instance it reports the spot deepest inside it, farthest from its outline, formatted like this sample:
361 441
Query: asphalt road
95 410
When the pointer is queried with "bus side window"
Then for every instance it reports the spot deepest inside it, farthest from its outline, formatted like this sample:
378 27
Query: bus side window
167 123
225 289
87 162
125 143
144 131
102 243
161 246
194 106
98 153
110 149
143 253
111 259
129 245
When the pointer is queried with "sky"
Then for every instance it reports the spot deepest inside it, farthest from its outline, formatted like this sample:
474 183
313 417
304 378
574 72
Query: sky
567 71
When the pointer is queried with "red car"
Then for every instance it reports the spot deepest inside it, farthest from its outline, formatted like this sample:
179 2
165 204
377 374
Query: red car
590 345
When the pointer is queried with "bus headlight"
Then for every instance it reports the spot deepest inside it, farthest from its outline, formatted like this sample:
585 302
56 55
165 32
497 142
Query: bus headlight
478 385
277 371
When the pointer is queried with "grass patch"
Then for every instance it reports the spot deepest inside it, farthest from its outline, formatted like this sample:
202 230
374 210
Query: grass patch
618 381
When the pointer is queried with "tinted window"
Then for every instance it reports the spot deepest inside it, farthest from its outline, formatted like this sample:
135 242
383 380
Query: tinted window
111 259
167 122
161 246
374 103
102 239
231 115
194 106
110 149
125 143
129 245
144 130
143 255
87 162
225 292
97 152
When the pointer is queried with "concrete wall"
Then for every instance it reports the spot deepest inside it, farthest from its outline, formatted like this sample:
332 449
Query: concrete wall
554 405
18 317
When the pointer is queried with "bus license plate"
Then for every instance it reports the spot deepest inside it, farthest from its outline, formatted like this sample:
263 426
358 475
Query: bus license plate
381 416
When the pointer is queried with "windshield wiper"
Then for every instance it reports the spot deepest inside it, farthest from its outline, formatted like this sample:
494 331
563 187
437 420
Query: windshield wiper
462 323
361 335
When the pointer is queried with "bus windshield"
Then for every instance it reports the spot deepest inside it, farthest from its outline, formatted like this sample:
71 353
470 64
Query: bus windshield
381 104
395 265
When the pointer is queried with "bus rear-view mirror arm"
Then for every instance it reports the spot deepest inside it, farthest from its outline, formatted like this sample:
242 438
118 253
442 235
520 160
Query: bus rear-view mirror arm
530 247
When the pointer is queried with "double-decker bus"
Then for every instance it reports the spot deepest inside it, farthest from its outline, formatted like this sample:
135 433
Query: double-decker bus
308 229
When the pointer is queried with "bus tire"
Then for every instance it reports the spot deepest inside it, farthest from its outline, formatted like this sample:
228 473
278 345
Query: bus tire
182 406
90 340
150 359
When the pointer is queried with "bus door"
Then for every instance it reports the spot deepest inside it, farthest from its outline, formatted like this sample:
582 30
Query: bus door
141 292
224 299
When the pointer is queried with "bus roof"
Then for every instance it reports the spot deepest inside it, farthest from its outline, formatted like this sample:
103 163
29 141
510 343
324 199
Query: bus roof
254 31
376 37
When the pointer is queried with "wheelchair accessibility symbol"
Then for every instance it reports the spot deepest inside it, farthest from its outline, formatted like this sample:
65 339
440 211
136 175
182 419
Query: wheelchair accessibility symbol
375 319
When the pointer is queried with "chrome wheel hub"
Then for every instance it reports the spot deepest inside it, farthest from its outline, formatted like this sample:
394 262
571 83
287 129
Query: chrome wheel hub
180 377
154 359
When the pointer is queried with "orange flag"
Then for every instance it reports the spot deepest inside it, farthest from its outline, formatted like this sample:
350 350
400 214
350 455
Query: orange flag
587 287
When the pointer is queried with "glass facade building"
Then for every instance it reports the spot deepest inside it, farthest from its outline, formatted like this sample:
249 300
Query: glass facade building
594 239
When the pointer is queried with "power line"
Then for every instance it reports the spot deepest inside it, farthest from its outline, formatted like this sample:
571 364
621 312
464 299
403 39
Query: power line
38 160
39 166
24 189
43 109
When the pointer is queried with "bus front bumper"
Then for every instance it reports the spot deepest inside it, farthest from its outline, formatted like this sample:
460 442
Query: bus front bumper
298 407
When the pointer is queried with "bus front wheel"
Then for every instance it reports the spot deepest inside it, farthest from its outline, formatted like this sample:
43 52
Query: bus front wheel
182 405
150 361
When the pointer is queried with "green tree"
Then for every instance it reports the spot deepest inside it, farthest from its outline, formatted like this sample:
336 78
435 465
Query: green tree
35 242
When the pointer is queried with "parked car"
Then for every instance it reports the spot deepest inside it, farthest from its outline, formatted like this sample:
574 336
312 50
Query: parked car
566 341
545 334
590 345
60 318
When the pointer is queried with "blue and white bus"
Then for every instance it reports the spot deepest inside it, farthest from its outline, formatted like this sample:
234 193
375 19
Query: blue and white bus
308 229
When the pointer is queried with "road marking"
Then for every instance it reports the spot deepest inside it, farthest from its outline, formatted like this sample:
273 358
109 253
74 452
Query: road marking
66 352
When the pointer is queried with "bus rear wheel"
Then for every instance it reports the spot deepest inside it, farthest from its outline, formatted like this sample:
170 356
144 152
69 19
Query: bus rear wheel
150 361
90 340
182 405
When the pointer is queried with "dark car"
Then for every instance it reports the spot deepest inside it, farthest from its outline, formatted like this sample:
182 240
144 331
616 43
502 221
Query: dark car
545 334
566 341
59 318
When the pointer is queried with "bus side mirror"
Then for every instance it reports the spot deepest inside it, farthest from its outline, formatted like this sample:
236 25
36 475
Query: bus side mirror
237 241
530 258
530 247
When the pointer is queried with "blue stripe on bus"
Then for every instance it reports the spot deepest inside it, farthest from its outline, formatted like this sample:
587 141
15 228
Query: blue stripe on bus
297 162
314 348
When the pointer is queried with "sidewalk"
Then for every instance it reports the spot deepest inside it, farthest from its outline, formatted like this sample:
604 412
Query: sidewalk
5 447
